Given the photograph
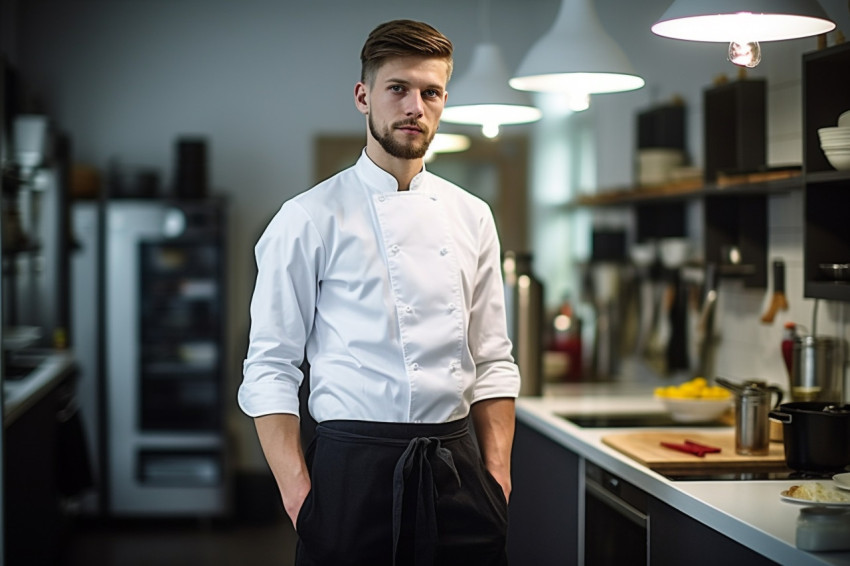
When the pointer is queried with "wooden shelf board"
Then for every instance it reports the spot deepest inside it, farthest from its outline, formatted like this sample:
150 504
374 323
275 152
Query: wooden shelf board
753 183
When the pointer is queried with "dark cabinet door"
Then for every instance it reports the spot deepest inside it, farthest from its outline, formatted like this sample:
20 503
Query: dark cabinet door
544 510
676 539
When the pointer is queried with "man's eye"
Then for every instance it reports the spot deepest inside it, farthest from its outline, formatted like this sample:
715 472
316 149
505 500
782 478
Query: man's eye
397 88
431 93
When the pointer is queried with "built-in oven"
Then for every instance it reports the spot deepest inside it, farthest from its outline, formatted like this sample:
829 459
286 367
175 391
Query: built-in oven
616 520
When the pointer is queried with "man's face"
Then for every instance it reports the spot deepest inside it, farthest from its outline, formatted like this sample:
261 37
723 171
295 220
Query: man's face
404 104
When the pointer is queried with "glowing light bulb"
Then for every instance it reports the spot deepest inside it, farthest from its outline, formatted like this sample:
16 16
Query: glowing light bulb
490 130
745 54
578 101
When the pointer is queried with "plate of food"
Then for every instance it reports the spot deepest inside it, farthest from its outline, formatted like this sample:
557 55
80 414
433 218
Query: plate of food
842 481
816 493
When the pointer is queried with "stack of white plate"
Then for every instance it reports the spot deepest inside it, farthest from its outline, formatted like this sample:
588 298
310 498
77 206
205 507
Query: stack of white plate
835 143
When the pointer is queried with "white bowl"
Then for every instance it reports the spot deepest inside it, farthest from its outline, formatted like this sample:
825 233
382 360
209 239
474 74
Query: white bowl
834 140
844 120
674 252
643 255
833 131
695 410
835 146
840 159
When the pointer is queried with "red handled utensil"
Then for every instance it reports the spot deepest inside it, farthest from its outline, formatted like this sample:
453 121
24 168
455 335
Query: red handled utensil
691 447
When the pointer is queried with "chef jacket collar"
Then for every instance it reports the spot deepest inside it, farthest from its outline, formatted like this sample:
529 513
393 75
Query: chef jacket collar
379 181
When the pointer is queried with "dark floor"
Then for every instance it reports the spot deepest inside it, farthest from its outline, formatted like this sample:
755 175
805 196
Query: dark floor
178 543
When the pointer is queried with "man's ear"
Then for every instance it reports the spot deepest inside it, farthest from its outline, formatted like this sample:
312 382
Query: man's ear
361 98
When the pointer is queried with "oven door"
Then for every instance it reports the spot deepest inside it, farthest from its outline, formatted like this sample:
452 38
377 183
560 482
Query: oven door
616 523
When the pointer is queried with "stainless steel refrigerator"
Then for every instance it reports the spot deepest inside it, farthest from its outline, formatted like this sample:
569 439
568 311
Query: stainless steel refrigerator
150 276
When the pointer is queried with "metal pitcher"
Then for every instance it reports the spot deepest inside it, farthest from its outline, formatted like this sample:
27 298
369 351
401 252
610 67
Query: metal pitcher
752 406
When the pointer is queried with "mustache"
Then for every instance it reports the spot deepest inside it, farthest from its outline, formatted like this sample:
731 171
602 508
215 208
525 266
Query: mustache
414 123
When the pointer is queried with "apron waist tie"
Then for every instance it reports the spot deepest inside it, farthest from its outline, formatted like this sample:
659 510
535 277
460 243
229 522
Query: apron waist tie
413 471
416 464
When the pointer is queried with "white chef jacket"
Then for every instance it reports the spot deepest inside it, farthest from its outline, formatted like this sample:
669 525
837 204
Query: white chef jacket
396 296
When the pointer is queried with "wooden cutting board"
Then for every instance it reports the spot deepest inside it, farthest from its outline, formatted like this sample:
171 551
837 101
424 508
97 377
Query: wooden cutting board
645 447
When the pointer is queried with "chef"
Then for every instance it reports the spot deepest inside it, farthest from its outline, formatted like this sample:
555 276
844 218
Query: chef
388 279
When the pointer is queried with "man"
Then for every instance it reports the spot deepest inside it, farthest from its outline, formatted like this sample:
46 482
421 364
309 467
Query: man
390 278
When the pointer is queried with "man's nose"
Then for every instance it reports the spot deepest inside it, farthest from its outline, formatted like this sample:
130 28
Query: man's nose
415 104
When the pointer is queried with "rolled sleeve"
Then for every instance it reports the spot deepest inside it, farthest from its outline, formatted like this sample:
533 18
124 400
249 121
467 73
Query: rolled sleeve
496 373
288 257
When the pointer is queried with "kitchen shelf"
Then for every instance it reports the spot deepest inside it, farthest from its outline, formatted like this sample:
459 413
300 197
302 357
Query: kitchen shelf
735 215
826 236
784 181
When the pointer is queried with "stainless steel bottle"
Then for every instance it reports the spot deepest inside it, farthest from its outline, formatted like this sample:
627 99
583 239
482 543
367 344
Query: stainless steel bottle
524 310
817 369
752 425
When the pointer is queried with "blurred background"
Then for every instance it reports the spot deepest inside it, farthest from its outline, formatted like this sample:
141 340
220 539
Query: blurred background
167 134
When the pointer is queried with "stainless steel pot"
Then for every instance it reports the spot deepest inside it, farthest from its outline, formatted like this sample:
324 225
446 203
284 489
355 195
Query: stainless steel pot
816 435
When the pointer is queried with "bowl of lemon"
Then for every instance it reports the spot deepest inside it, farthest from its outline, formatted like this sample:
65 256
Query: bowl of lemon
695 401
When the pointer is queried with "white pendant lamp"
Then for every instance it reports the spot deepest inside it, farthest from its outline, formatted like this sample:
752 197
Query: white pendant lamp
743 23
733 20
577 57
482 95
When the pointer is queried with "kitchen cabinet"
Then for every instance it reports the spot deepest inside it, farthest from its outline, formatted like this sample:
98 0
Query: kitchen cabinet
700 520
675 539
33 516
826 237
544 509
547 519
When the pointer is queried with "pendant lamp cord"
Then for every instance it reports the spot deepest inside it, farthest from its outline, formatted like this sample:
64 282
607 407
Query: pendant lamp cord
484 19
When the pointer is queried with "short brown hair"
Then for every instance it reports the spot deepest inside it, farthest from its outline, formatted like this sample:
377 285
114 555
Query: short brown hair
402 38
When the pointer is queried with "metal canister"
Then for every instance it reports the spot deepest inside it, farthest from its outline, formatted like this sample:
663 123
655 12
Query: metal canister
817 369
524 310
752 425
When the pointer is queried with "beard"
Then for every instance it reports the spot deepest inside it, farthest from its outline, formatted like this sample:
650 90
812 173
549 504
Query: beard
399 149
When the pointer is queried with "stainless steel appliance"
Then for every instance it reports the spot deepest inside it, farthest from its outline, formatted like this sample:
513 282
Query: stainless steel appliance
159 395
616 520
524 310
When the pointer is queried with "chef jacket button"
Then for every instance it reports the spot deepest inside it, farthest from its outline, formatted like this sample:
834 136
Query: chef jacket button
382 198
415 367
433 197
395 249
408 308
452 306
417 421
444 251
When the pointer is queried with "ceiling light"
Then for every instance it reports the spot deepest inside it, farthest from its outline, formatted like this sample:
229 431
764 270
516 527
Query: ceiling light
577 57
482 95
743 23
447 143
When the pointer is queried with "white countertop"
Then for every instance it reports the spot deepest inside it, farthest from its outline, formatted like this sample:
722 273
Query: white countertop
19 395
749 512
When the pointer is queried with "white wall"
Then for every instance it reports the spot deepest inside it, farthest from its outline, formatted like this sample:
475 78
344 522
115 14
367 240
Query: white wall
261 78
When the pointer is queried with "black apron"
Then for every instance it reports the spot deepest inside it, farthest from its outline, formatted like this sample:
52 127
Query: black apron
400 494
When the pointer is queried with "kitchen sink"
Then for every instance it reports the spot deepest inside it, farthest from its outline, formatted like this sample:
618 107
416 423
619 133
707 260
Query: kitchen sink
18 366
